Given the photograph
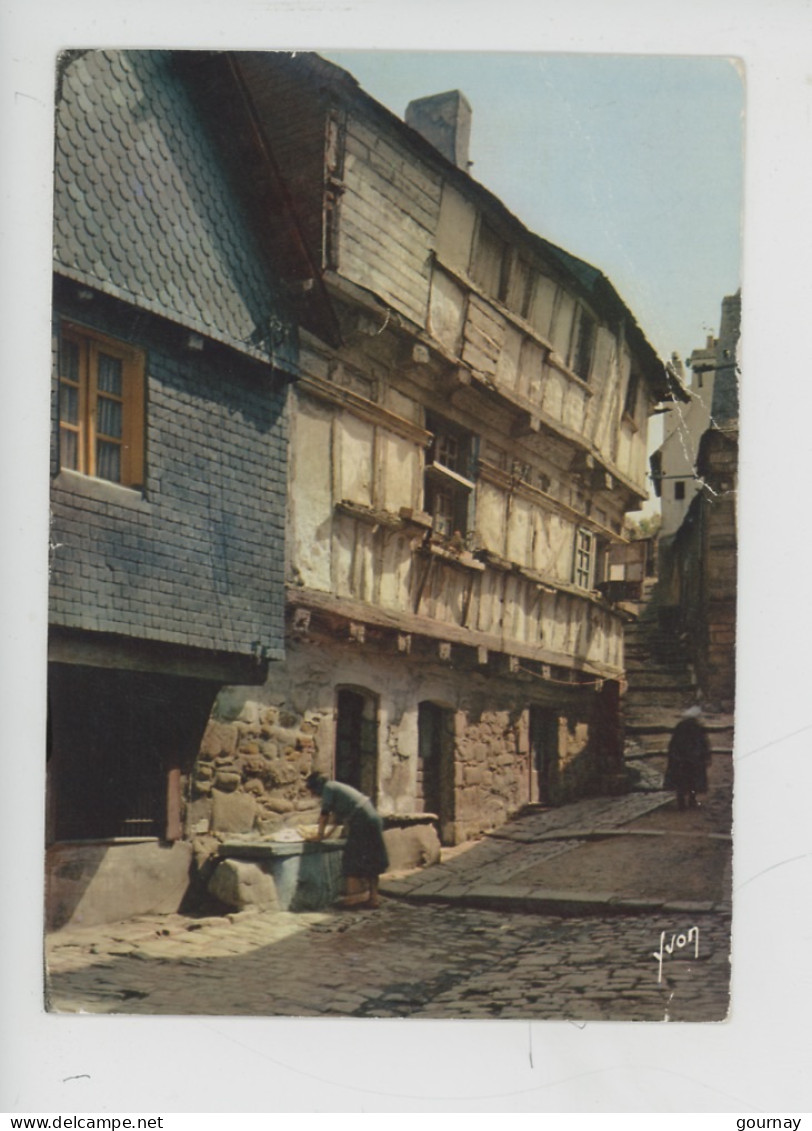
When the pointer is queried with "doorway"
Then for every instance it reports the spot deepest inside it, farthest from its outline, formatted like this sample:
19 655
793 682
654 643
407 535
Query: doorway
435 765
357 740
543 736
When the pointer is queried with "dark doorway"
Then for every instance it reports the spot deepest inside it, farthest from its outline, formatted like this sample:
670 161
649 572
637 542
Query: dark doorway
116 736
544 751
357 740
435 767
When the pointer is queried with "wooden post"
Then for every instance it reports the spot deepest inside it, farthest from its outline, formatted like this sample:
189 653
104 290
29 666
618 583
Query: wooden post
174 827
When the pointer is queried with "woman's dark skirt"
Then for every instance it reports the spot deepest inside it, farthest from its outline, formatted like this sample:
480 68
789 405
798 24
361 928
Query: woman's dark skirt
365 852
686 773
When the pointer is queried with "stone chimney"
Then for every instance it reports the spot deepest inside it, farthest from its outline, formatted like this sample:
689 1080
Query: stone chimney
445 121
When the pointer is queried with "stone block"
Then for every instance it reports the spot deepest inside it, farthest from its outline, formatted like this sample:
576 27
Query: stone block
219 738
412 847
102 883
472 775
204 849
199 811
232 812
241 883
279 805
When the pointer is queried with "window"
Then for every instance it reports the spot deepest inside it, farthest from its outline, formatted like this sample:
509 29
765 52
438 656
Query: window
679 489
632 389
490 262
101 407
600 561
449 484
584 548
520 288
583 344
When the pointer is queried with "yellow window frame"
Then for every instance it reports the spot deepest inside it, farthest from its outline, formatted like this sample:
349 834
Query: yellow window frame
90 347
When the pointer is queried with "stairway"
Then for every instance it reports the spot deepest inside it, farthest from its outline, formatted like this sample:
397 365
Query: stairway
660 686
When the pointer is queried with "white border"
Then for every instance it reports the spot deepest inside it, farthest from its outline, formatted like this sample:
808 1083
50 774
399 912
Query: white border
753 1063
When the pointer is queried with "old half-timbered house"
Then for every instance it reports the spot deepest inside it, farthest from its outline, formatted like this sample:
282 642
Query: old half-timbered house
173 352
462 456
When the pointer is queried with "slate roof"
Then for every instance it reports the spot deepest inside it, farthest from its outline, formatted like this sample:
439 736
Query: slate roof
142 209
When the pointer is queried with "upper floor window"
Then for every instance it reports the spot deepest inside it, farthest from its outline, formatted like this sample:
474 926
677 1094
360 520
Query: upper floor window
632 389
490 262
583 344
101 407
584 554
520 287
449 479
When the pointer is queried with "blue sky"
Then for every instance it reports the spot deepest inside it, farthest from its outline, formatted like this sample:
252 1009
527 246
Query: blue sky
633 163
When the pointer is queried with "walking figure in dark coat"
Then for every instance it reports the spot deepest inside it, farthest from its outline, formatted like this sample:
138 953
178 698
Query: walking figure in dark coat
688 757
364 856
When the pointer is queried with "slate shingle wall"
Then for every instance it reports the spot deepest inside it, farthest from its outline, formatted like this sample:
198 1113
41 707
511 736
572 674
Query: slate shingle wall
198 559
146 219
143 209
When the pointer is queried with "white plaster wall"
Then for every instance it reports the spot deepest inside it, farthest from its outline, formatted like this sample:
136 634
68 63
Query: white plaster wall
519 531
489 611
310 503
560 540
575 399
401 466
491 517
455 229
553 388
541 310
354 446
396 572
508 364
446 310
532 373
562 325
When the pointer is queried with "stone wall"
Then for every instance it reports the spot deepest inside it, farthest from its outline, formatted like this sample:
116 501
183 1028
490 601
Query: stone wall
492 770
261 743
250 773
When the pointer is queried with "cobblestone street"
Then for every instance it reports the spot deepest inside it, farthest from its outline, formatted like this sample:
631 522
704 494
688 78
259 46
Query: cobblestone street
401 961
488 933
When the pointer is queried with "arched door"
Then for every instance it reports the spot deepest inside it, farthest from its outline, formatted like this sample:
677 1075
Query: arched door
356 758
435 775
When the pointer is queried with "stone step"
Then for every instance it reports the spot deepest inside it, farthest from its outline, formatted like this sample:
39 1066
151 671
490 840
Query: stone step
639 726
634 751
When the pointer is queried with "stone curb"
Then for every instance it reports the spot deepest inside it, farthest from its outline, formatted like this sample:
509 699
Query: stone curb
619 831
549 902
